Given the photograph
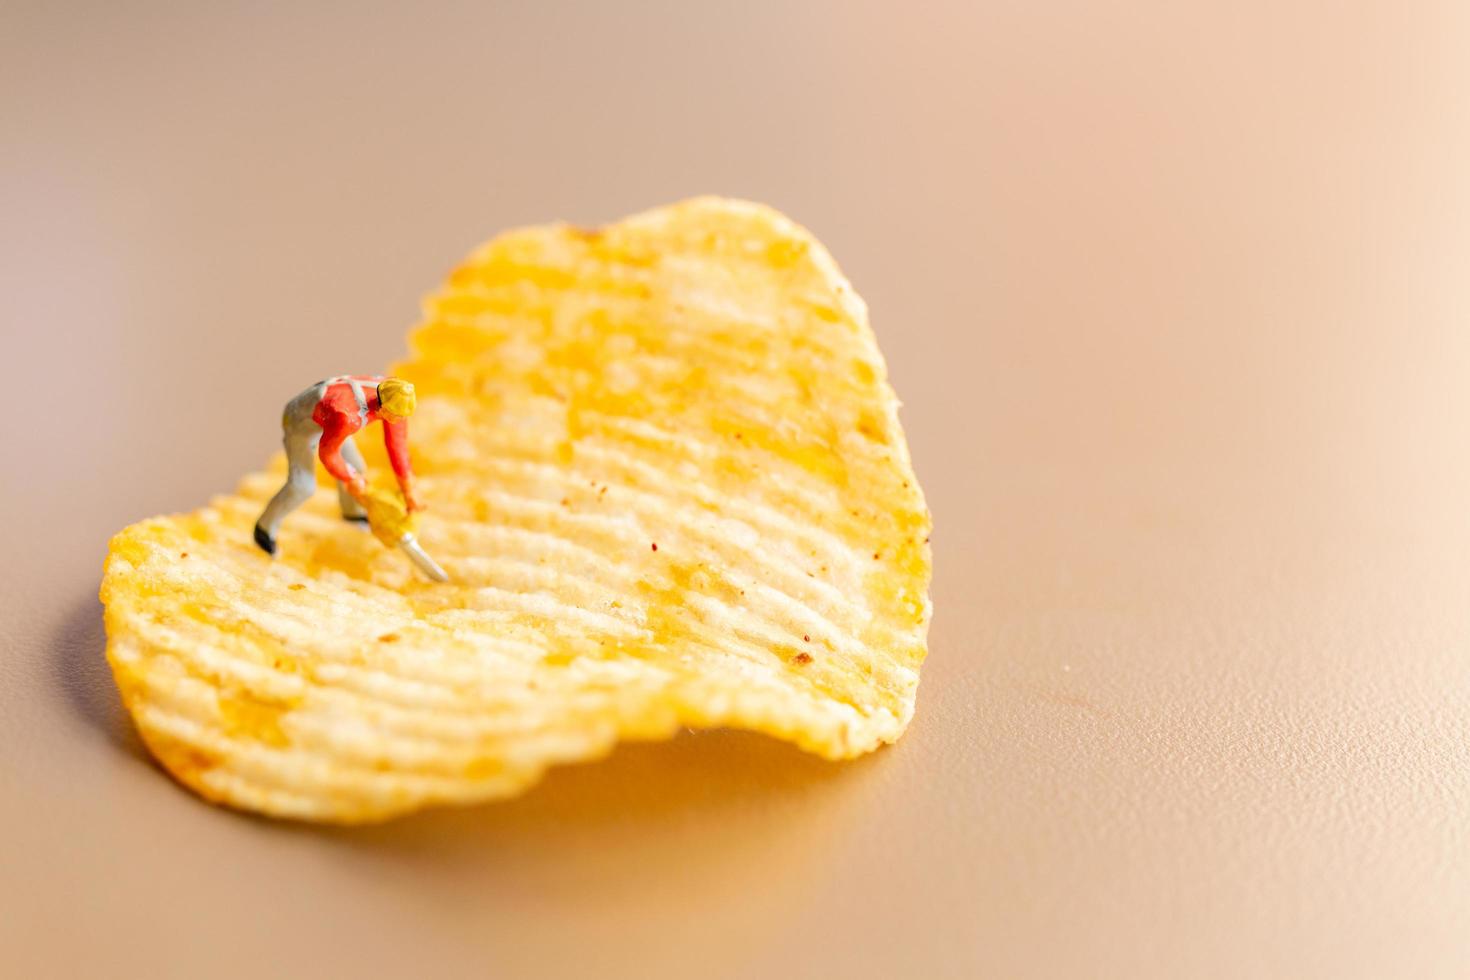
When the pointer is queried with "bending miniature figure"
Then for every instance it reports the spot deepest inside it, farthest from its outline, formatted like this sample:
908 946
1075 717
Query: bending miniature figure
320 423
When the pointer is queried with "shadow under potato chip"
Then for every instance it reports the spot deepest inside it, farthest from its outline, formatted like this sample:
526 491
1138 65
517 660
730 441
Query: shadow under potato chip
652 837
79 667
637 783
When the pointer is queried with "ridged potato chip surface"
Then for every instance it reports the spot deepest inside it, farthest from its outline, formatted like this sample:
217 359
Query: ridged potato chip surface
666 477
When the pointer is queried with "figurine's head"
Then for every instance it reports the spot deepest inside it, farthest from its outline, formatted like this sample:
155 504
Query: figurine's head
396 399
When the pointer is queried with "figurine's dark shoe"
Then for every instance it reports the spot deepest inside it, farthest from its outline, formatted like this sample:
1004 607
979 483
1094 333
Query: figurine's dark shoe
356 518
266 542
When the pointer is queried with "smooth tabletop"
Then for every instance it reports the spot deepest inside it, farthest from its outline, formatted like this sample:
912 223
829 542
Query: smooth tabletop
1177 297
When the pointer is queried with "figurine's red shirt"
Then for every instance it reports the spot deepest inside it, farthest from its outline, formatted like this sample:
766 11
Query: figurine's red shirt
340 415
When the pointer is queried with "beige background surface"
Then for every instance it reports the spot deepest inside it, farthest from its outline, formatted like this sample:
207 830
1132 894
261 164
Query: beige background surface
1176 296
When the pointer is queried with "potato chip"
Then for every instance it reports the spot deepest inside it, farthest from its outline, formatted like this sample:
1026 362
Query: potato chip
666 477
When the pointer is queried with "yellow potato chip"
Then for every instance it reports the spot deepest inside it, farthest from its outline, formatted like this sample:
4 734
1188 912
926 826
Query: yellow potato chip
666 478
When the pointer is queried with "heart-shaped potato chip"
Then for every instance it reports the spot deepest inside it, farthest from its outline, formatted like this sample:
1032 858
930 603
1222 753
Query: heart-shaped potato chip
666 478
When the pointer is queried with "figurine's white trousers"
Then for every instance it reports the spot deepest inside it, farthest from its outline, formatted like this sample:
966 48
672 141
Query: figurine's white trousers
301 436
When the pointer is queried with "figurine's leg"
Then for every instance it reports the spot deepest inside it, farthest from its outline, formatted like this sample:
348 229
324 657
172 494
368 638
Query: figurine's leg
301 443
351 509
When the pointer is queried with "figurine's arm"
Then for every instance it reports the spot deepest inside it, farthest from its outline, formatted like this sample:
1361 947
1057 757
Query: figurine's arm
395 440
336 427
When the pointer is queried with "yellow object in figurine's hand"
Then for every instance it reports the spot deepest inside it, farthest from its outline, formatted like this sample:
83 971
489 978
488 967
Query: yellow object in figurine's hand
388 516
669 488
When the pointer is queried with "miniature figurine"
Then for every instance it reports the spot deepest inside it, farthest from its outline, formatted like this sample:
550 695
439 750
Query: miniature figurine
320 422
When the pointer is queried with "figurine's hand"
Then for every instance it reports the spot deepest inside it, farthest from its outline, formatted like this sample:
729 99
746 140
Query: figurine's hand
411 498
358 488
